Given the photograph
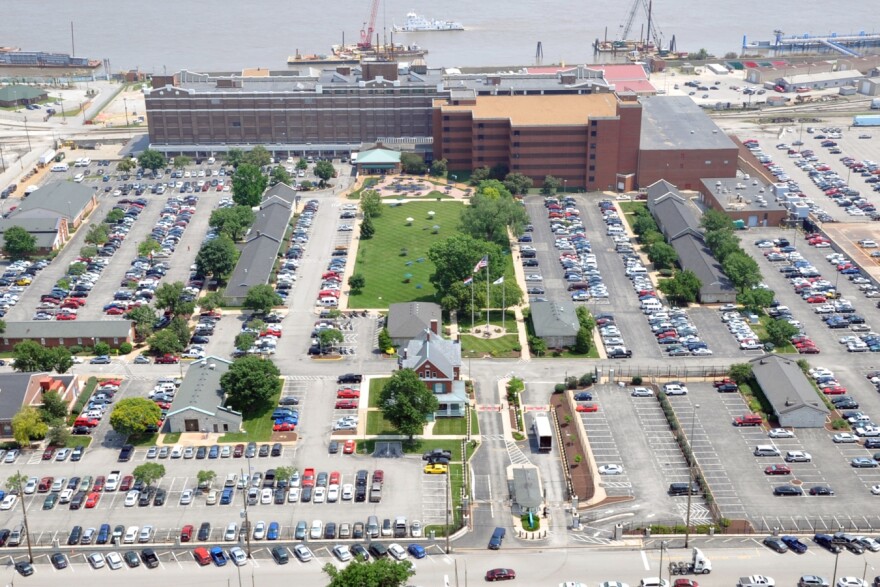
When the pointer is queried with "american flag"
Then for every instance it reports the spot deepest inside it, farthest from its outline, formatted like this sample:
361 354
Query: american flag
468 281
484 262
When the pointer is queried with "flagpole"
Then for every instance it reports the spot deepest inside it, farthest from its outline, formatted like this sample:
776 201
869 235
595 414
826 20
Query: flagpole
472 304
503 308
488 305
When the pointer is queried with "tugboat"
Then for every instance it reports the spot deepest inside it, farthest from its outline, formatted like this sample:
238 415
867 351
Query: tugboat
419 24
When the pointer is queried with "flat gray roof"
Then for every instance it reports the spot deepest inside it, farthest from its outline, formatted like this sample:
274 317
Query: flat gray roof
72 329
676 122
527 487
554 318
736 193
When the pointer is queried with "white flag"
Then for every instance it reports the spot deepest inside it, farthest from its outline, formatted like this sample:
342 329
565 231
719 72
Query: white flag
498 281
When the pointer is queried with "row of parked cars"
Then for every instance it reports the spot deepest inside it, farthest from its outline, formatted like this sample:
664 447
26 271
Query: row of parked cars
97 406
15 280
579 265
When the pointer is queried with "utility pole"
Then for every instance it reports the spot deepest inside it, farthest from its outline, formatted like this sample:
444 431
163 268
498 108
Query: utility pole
247 525
27 532
687 529
447 511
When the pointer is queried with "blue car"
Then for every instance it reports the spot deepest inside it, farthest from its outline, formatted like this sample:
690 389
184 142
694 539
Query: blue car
795 544
226 496
583 396
416 551
218 556
103 534
214 452
274 530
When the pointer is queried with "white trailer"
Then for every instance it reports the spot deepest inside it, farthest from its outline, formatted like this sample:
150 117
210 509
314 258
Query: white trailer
46 157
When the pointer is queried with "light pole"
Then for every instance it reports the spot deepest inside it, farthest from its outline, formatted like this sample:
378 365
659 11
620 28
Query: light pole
28 135
662 546
27 532
564 186
687 529
865 571
2 161
247 524
836 556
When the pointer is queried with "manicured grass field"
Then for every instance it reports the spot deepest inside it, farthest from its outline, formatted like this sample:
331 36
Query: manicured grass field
377 424
379 258
444 426
257 427
498 347
376 386
75 441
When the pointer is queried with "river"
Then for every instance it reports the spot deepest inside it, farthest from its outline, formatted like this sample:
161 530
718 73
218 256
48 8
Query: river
220 35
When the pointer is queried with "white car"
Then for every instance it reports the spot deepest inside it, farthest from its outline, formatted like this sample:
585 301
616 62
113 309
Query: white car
96 559
266 496
238 556
642 392
260 530
8 502
114 561
347 492
844 437
31 485
303 553
780 433
851 582
342 553
333 493
146 533
186 497
610 470
798 456
415 529
293 495
319 495
397 551
131 498
65 495
675 389
317 529
231 532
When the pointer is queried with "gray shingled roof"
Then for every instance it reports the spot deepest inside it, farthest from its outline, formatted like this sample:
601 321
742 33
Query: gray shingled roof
676 122
200 389
527 487
62 198
259 253
554 318
694 255
44 230
785 385
13 387
674 216
659 188
72 329
408 319
283 191
443 354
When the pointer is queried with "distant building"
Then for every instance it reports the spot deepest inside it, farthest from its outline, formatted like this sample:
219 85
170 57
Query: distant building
18 390
556 323
409 319
681 144
378 160
820 81
794 400
67 333
12 96
750 200
67 200
50 233
437 361
198 403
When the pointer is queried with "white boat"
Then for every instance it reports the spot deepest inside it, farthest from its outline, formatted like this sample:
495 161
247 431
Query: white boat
418 24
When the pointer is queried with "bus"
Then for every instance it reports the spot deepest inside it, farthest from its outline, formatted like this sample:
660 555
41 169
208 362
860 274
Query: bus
543 432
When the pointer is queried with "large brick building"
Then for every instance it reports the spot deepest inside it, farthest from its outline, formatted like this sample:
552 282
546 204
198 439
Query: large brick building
589 140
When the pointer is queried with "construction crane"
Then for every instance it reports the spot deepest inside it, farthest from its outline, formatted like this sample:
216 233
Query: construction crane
625 28
366 41
653 34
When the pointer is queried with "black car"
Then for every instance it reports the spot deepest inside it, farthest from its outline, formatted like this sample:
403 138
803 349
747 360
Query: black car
288 401
75 535
360 494
159 499
126 453
77 501
787 490
620 354
24 568
81 430
202 452
333 447
826 541
845 403
306 494
775 543
378 550
854 547
530 262
279 553
150 559
350 378
4 536
276 449
821 490
330 531
280 496
359 552
727 387
59 561
199 339
204 531
131 559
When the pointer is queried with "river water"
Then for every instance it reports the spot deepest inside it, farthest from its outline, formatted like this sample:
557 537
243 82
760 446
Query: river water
221 35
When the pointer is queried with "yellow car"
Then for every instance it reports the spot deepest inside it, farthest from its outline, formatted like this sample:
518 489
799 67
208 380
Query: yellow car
435 469
23 281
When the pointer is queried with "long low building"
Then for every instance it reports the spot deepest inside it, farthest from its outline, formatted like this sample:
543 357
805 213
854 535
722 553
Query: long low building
795 401
198 403
67 333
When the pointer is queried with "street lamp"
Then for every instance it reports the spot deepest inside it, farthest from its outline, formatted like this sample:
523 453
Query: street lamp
687 529
28 135
662 546
836 556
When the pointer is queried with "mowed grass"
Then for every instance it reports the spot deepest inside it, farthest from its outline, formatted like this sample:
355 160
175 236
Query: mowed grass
380 262
376 385
449 426
378 425
258 426
498 347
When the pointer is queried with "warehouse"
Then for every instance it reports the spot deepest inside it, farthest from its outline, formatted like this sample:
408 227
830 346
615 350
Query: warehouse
795 401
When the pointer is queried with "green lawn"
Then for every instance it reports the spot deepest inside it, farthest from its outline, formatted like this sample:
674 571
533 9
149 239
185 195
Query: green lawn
258 427
761 330
420 446
445 426
77 440
505 346
376 386
377 424
475 423
380 261
171 438
631 207
464 321
144 440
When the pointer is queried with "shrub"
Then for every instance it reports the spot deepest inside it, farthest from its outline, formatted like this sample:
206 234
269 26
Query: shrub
571 382
125 348
586 380
559 388
637 380
839 424
75 349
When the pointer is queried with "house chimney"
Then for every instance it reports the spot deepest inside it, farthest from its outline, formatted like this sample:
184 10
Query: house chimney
434 327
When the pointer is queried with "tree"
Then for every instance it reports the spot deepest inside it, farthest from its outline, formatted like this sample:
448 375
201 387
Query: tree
371 203
488 217
248 185
16 482
643 224
505 294
280 175
168 296
31 356
499 171
126 165
245 340
740 372
53 408
757 299
76 269
306 185
19 243
250 384
180 327
132 416
412 163
407 402
517 183
234 221
27 425
383 572
367 228
182 161
324 170
454 260
165 342
234 156
217 257
779 332
663 256
439 167
144 317
148 247
357 282
261 299
582 341
58 433
329 338
478 175
742 270
651 237
206 477
211 301
385 341
714 220
59 359
538 346
88 251
114 216
97 234
683 288
149 473
151 159
258 156
551 185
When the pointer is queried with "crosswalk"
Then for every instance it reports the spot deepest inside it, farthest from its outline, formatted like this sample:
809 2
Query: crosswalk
699 512
517 456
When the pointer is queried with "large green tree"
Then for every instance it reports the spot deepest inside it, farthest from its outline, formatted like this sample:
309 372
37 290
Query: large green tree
165 342
551 185
330 337
149 473
517 183
143 317
407 402
742 270
217 257
439 167
28 425
258 156
412 163
583 341
261 299
281 175
97 234
211 301
151 159
19 243
715 220
478 175
248 185
53 407
489 216
234 156
132 416
779 332
324 170
181 161
250 384
663 256
31 356
383 572
234 221
454 260
148 247
683 288
169 296
367 228
126 165
371 203
756 299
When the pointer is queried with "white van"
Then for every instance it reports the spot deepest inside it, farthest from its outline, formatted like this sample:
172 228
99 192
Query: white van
766 450
328 302
79 177
650 306
60 167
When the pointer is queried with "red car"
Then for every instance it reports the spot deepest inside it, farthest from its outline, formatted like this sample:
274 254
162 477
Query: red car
65 317
588 407
92 500
720 382
49 453
167 360
808 350
186 533
82 421
348 393
347 404
685 583
238 451
348 447
271 332
284 427
125 484
163 405
500 574
45 484
379 476
817 300
115 311
308 479
99 483
834 390
334 478
777 470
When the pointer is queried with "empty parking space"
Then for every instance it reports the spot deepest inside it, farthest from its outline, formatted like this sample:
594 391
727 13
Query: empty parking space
434 499
707 321
605 450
